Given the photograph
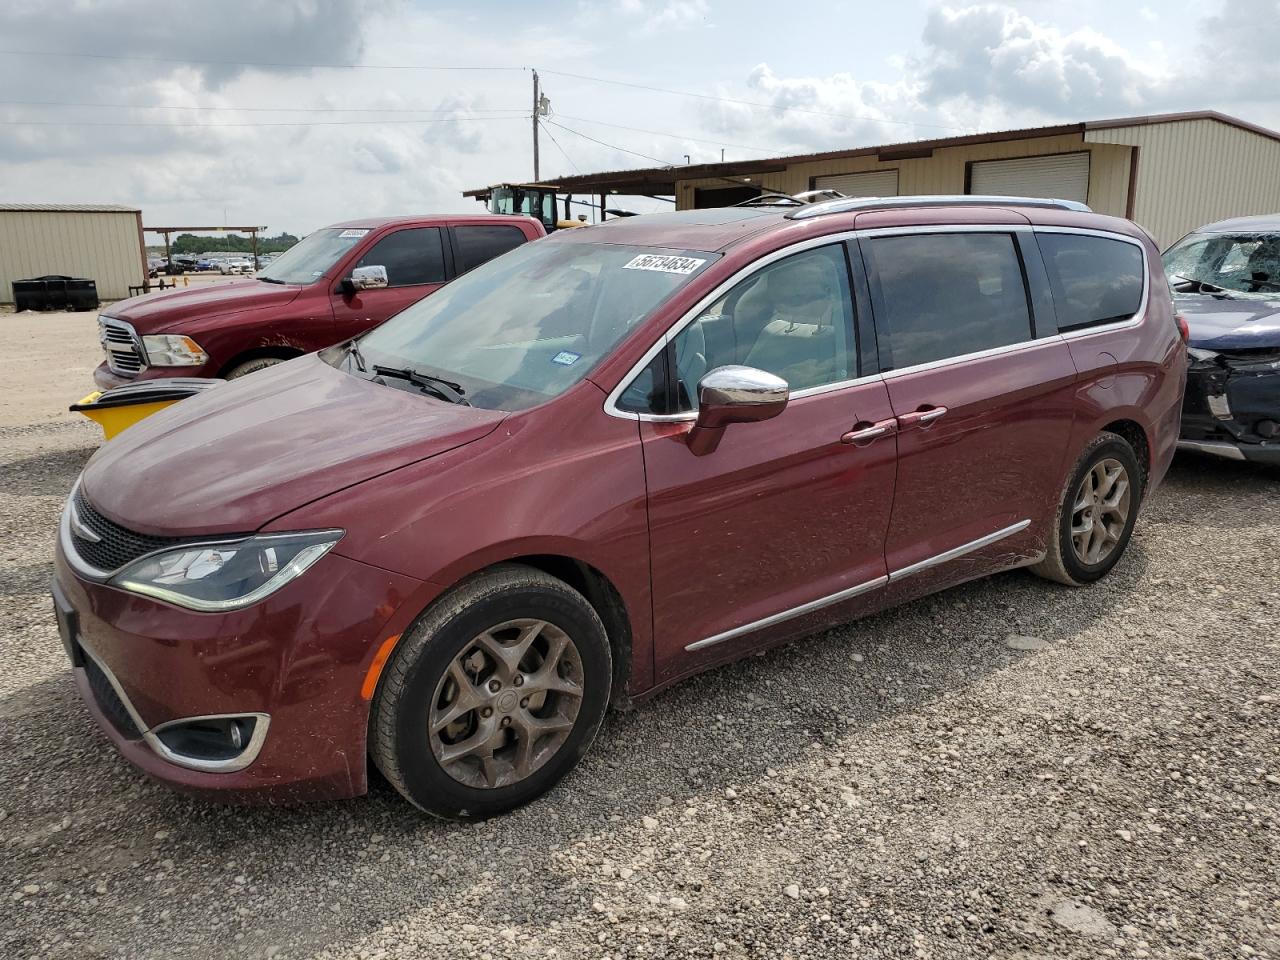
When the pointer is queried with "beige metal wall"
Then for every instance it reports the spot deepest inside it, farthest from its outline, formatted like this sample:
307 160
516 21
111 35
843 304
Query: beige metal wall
1192 172
944 172
102 246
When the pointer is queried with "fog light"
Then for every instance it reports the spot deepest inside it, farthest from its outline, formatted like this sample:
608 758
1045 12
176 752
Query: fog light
1267 428
216 743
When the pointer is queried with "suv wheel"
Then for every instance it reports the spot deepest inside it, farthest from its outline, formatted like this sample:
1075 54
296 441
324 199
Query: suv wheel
1096 514
493 695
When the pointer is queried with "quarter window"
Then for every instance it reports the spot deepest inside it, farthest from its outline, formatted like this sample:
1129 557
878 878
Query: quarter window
410 256
484 241
1094 279
947 294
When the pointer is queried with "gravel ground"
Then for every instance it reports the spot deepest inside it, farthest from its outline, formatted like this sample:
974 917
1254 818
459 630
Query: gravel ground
1010 769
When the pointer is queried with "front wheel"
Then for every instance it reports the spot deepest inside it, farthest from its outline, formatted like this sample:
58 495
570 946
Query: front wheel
493 696
1096 514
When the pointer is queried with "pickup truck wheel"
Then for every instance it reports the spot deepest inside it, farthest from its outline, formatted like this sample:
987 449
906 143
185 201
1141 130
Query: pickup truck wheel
252 366
1096 514
493 696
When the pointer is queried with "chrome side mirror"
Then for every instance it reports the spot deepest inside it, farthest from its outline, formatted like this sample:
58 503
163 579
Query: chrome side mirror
734 394
369 278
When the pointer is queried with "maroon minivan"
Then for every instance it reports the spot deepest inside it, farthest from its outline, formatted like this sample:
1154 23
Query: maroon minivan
603 462
336 283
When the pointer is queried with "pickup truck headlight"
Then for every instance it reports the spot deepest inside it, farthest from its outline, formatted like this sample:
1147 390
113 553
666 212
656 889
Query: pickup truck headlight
216 577
169 350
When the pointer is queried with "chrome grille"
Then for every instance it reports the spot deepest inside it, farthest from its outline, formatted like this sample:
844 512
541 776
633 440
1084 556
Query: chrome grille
121 345
116 545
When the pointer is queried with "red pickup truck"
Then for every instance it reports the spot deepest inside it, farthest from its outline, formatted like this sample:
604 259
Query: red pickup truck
338 282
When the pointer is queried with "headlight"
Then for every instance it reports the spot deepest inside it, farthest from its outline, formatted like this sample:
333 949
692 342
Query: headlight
214 577
166 350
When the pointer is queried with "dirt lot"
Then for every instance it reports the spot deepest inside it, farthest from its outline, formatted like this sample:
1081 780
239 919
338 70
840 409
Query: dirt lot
1010 769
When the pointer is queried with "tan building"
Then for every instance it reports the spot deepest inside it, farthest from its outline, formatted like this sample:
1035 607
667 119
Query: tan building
1170 173
99 242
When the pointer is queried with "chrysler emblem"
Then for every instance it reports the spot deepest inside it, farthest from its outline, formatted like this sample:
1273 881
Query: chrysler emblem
78 529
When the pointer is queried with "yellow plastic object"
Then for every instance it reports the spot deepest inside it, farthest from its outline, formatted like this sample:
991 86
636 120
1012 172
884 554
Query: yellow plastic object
113 420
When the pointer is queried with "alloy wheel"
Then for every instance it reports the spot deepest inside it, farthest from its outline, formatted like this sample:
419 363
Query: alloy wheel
506 703
1100 511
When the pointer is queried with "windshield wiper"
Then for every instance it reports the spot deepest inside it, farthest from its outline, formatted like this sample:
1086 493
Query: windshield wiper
353 351
1204 286
269 279
444 389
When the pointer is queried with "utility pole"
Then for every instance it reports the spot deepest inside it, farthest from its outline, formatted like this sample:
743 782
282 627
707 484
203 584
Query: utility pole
536 105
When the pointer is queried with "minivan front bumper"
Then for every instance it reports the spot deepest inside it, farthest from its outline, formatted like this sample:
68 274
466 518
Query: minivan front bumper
280 682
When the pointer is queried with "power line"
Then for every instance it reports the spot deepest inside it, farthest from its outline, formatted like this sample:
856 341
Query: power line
543 124
611 146
247 63
161 106
673 136
747 103
281 123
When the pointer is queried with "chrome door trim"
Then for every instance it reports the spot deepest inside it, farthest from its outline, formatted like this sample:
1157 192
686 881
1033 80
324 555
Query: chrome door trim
804 608
611 402
861 588
960 551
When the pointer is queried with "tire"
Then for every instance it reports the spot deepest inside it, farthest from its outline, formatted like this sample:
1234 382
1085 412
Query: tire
252 366
1063 562
421 687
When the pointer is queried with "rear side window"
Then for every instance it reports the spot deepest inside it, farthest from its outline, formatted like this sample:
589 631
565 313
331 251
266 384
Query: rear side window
946 294
1094 279
410 256
484 241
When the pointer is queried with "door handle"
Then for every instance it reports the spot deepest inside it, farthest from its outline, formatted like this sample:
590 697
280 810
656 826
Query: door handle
922 418
864 432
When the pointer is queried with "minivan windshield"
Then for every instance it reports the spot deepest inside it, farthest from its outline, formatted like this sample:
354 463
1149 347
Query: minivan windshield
310 258
1225 263
531 323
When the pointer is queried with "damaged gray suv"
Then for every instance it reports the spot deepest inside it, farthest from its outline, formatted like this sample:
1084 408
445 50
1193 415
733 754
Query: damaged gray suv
1226 284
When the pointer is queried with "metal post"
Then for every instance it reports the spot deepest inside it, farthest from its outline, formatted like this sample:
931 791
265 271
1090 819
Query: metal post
253 238
535 126
601 208
567 198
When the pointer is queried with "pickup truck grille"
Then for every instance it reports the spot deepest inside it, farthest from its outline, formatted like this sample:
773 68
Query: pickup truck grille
121 345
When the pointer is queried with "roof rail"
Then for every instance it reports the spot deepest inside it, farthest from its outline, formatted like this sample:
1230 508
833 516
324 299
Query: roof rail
852 204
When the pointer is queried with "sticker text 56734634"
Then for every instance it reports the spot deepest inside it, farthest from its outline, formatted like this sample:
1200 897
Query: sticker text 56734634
664 264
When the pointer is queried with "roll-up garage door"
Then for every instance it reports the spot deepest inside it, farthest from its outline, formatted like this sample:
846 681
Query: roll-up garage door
876 183
1062 177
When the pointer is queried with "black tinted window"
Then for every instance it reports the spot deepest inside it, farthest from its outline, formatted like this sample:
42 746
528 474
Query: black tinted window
946 294
410 256
1094 280
484 241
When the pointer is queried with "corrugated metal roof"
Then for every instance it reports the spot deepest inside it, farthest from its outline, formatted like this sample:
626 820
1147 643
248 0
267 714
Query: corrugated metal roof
661 180
67 208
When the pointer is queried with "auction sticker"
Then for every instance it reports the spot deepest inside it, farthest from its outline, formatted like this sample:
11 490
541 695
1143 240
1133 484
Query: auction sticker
351 234
566 358
649 261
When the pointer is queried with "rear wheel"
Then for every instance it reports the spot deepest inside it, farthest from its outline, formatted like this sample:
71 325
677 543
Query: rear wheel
1096 513
493 696
252 366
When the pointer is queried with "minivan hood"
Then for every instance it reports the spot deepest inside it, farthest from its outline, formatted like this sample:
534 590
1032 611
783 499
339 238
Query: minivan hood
1222 324
167 312
238 456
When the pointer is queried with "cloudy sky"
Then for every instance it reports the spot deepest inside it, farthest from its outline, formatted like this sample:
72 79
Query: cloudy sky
250 112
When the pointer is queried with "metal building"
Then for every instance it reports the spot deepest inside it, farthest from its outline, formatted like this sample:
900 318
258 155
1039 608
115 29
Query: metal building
1170 172
94 241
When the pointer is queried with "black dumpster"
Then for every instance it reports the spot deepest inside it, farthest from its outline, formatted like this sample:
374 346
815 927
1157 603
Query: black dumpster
55 293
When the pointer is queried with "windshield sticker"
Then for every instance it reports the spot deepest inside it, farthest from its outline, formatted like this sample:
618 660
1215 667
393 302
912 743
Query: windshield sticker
649 261
566 358
351 234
